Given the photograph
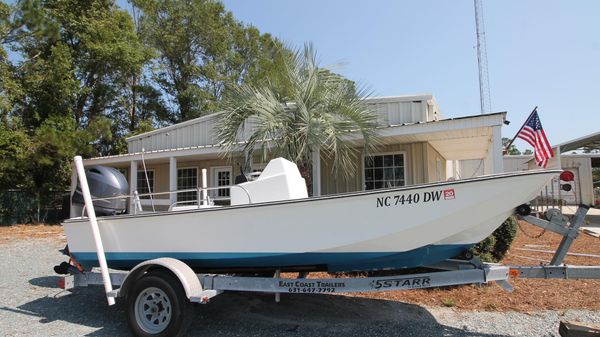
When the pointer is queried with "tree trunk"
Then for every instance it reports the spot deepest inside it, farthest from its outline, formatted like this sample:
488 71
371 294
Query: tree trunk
306 173
133 103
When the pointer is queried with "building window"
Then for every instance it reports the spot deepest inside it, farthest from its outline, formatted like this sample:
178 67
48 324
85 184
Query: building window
383 171
221 176
142 183
187 178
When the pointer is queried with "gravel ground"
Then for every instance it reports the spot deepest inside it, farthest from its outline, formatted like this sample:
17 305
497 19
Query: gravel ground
32 305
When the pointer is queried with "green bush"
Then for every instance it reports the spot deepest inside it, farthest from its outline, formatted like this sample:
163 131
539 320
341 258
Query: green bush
494 247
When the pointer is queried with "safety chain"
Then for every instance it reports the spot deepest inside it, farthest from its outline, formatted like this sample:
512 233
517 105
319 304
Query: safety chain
530 235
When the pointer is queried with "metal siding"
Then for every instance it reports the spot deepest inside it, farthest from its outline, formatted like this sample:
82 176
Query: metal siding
202 136
583 182
199 135
432 156
190 136
161 179
381 111
471 168
209 132
414 166
512 164
418 163
413 112
400 112
392 110
332 183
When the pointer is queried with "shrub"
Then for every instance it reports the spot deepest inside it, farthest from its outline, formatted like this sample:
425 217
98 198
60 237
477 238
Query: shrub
448 302
484 249
494 247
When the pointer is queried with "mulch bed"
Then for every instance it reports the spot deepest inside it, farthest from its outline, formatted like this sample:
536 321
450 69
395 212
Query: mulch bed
529 294
25 232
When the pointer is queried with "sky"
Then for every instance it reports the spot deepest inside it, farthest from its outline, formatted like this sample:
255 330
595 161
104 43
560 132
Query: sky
540 53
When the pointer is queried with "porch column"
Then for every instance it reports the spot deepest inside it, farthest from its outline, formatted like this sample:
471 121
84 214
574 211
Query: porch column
488 165
493 159
132 184
316 172
172 179
498 165
558 158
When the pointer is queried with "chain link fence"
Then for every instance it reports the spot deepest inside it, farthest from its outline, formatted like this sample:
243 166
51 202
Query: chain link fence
21 207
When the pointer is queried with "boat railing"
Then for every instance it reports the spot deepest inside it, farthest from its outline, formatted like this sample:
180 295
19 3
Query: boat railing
552 195
202 197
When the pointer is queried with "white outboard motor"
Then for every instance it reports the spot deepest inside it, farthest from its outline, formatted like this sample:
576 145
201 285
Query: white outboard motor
104 182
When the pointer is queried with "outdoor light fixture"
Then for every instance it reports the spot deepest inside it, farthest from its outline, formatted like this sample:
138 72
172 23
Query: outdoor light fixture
566 176
566 187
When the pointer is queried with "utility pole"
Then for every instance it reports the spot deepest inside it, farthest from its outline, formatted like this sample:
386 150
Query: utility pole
484 82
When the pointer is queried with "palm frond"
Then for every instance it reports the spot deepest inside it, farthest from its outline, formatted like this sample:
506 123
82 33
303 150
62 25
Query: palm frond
320 112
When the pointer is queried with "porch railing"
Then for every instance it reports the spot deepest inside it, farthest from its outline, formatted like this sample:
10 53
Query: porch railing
553 196
202 198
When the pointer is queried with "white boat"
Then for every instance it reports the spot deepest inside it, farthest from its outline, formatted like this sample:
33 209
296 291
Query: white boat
273 225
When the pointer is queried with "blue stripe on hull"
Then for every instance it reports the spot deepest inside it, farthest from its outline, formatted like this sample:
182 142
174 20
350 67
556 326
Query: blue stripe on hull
334 261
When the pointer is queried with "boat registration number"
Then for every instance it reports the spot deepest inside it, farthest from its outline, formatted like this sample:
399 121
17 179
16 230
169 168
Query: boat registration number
415 198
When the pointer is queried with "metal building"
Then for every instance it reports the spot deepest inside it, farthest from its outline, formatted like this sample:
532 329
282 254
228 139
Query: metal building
418 146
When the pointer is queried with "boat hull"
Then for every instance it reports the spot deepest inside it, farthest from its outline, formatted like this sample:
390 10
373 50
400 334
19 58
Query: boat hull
385 229
333 262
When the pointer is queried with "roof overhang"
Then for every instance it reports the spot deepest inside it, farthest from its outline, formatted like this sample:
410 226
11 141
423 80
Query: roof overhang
157 157
590 141
454 138
427 97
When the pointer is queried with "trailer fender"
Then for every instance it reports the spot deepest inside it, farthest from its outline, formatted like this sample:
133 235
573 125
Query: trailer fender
185 275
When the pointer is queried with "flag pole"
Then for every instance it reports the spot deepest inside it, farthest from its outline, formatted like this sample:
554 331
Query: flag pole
517 134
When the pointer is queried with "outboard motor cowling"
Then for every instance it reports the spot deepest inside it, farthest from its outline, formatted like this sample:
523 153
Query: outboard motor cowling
104 182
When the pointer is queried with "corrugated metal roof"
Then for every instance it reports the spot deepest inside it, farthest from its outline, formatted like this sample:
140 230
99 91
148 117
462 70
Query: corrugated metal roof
436 132
392 110
590 141
198 120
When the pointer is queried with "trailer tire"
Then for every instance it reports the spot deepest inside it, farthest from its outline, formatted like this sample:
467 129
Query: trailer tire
158 307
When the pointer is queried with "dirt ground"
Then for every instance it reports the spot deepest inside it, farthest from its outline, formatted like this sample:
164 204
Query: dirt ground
529 295
24 232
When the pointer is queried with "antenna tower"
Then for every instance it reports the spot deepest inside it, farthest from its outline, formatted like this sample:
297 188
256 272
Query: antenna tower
484 82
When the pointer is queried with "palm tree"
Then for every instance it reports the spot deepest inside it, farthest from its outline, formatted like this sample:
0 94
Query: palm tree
314 110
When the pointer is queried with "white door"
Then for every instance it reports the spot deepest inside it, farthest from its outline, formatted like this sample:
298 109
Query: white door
221 176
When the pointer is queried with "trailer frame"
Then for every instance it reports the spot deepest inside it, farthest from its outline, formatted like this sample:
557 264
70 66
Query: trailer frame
155 287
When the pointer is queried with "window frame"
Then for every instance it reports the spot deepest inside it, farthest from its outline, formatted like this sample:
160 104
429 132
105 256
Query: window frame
187 188
214 171
145 184
405 160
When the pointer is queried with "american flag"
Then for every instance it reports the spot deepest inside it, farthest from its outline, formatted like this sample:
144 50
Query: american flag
533 133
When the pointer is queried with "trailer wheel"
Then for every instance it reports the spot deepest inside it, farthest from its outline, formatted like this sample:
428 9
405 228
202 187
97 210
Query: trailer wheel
158 307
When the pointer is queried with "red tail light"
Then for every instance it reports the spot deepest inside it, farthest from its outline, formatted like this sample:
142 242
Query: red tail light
567 176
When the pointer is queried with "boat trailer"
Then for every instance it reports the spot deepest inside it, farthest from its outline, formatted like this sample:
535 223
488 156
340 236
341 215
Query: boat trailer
159 292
